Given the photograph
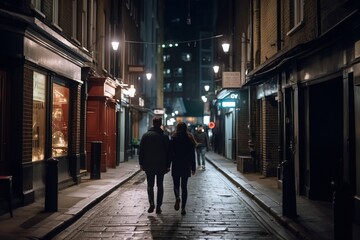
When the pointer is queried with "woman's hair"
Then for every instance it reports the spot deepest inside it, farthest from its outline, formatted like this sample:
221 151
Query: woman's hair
181 128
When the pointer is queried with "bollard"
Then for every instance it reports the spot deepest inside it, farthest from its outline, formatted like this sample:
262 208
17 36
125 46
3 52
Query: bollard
95 160
51 185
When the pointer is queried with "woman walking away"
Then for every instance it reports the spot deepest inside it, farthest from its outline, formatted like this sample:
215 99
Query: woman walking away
182 147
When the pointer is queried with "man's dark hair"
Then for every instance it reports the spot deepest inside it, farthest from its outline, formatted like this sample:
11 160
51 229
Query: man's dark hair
157 121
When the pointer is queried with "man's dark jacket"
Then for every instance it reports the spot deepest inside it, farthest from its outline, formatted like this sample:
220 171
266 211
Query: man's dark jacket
153 151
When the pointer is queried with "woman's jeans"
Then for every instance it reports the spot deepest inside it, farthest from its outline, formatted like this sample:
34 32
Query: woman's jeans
184 192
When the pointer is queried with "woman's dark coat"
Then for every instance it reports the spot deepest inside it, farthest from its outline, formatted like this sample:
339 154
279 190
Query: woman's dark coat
182 155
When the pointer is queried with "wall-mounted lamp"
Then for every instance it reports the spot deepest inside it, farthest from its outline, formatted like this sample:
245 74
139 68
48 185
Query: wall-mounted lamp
207 87
225 47
204 98
148 76
115 45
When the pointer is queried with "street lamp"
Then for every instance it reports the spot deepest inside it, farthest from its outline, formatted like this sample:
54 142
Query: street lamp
216 68
148 76
225 47
115 46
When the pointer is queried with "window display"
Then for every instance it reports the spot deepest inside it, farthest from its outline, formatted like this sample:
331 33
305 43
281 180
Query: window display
38 122
60 120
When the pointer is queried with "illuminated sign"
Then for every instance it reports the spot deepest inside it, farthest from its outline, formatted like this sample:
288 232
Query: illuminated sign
228 104
159 111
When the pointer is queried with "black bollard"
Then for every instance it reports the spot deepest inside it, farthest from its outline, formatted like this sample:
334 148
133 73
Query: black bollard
95 167
51 185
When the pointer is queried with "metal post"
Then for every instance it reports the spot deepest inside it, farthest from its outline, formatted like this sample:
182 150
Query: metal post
289 195
51 185
95 160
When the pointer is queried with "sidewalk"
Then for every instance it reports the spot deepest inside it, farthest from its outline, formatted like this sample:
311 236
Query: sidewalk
314 219
31 222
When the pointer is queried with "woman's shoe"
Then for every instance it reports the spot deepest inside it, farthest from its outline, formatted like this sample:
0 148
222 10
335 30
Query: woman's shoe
183 212
158 210
177 204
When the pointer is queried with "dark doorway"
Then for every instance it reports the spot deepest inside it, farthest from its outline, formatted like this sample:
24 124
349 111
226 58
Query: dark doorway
323 134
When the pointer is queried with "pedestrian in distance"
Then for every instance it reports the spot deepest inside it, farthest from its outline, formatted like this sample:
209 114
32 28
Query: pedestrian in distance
153 159
182 159
202 147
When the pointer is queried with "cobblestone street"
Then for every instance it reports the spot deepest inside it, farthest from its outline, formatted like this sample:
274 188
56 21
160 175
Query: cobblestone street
215 210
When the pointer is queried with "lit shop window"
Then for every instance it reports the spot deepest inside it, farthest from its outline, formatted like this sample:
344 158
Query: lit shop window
38 122
60 120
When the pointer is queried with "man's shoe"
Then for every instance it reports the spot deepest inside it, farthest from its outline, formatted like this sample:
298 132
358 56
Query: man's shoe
151 208
158 211
203 167
183 212
177 204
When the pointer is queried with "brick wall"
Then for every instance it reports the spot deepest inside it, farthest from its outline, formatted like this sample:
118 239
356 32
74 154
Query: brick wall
27 109
76 120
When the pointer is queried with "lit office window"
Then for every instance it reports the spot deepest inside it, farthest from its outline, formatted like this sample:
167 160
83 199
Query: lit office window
167 72
166 58
178 72
186 57
178 87
167 87
39 113
60 120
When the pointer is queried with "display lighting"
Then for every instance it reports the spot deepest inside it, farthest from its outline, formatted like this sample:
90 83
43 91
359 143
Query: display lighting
131 91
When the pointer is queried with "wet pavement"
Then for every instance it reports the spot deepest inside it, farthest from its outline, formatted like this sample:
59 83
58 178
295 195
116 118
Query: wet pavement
215 210
314 219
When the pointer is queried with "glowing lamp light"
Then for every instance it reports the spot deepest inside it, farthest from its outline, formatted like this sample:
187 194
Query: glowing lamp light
216 68
225 47
148 76
115 45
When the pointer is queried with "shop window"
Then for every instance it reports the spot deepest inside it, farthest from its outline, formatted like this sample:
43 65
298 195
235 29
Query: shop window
60 120
39 113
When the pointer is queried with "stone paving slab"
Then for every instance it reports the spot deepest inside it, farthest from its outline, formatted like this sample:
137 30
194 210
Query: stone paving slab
314 221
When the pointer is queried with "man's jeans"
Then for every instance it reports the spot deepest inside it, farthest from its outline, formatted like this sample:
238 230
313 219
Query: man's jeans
160 188
201 152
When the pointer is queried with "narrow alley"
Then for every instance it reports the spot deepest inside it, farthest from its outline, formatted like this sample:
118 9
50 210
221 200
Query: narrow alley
216 209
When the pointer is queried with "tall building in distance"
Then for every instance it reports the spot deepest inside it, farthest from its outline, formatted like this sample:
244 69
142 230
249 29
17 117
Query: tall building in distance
188 58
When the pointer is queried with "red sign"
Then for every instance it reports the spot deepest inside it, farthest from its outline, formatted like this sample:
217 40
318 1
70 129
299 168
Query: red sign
211 125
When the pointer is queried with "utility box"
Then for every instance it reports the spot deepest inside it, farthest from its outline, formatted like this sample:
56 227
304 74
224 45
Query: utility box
245 164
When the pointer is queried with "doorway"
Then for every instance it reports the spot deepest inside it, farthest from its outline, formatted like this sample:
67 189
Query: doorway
322 135
229 137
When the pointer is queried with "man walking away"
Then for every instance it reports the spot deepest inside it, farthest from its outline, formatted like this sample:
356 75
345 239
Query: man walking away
202 139
153 154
